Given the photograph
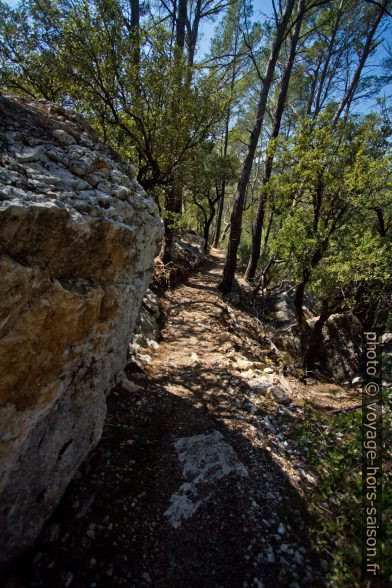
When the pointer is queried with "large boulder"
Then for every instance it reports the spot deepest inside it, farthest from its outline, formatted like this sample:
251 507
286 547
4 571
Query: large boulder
189 250
78 236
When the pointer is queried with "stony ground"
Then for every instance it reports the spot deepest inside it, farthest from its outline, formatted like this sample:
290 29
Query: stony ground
197 481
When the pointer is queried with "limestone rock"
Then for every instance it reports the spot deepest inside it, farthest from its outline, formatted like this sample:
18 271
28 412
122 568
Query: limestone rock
189 250
259 386
74 263
357 380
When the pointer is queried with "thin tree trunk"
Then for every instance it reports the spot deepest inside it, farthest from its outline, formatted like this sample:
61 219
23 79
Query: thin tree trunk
261 284
207 226
173 198
349 95
135 28
193 33
168 240
331 43
267 234
239 201
218 225
284 86
180 29
299 301
226 143
314 85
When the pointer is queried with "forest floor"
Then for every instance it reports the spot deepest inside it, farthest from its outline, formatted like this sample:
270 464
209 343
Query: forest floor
197 480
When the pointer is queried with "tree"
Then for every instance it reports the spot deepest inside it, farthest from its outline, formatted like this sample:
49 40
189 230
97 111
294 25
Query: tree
206 176
277 119
375 18
228 42
325 238
236 217
124 76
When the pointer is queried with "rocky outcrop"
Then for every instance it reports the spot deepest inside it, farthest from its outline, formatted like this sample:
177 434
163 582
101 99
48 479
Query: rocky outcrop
188 253
78 236
342 345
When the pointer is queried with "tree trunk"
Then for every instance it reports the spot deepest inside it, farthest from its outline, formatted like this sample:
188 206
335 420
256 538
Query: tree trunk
193 32
327 61
263 278
239 201
226 143
168 240
181 21
348 97
173 198
218 226
315 339
207 226
267 234
284 86
299 301
135 26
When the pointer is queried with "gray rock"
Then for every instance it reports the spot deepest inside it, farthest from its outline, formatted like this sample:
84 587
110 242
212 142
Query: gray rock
63 137
71 287
279 395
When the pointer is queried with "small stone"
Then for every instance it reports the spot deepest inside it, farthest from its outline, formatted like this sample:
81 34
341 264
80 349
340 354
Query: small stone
268 370
306 476
194 359
281 529
243 364
279 395
121 192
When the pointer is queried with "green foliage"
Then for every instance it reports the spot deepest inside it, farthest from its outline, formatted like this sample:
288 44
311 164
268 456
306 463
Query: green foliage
334 448
335 180
136 91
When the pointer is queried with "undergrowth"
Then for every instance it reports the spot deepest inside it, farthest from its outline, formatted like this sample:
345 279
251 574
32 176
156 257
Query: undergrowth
332 444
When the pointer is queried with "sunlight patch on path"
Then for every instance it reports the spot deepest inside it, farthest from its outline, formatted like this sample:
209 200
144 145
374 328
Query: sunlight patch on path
205 459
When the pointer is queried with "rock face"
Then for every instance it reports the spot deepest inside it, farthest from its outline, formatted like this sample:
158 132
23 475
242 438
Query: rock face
78 236
343 345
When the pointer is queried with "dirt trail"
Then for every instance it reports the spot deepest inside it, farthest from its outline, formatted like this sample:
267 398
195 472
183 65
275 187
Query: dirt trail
185 488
